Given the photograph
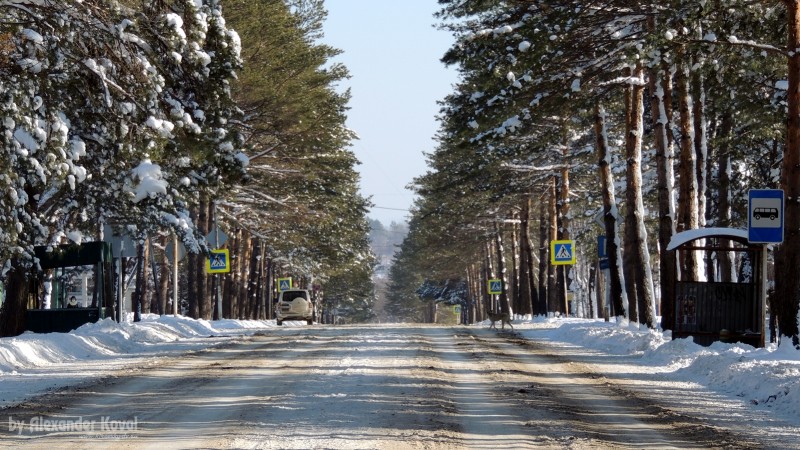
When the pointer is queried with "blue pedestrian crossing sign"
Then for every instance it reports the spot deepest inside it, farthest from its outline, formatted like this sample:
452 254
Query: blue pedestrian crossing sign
218 262
284 284
765 216
562 252
495 286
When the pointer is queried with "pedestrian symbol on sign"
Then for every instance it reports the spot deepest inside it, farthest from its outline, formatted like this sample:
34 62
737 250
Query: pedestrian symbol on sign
495 286
218 262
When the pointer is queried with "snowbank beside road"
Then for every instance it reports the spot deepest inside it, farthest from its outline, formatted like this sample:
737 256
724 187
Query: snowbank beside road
761 378
108 339
32 364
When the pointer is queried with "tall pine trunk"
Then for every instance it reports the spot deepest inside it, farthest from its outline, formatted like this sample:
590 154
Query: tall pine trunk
12 314
166 275
725 259
540 308
526 286
659 91
141 280
488 269
636 228
201 278
262 284
565 229
256 261
554 303
700 145
513 293
787 280
619 298
501 269
688 218
245 267
470 306
630 254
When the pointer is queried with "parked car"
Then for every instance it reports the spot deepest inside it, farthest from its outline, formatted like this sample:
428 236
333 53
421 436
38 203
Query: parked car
294 304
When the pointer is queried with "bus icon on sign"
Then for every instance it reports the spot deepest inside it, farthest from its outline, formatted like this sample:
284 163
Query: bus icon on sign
767 213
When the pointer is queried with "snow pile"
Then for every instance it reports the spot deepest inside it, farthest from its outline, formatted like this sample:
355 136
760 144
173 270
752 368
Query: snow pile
761 377
109 339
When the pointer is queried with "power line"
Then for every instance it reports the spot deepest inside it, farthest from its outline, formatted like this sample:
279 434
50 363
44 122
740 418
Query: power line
393 209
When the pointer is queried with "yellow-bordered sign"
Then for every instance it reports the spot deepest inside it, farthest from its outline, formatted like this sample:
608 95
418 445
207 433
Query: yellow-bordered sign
219 262
284 284
562 252
495 286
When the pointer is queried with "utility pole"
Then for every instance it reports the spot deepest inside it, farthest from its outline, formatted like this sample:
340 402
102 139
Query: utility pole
175 275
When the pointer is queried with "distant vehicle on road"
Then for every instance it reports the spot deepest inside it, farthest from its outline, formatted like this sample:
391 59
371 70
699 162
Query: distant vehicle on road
294 304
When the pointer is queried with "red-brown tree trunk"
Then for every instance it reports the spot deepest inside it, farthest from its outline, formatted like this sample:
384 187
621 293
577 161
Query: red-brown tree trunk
688 218
787 280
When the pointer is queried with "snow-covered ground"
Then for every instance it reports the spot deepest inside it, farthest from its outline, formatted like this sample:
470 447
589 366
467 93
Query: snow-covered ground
764 380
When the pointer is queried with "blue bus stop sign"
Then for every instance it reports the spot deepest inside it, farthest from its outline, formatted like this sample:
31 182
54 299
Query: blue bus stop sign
602 253
601 247
765 216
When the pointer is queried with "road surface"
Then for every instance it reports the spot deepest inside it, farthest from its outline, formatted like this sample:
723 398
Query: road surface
354 387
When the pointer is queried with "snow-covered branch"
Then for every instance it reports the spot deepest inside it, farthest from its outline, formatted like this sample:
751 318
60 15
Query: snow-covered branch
523 168
733 41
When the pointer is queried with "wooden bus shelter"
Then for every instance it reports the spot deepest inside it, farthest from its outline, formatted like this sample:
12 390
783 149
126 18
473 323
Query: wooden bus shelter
727 307
83 270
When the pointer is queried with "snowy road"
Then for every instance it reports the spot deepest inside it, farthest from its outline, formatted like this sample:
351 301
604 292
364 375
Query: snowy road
360 387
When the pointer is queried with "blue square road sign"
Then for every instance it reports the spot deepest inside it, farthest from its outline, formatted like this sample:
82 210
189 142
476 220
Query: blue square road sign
765 216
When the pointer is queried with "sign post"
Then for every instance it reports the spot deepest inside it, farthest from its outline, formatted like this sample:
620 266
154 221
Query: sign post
175 254
602 255
765 225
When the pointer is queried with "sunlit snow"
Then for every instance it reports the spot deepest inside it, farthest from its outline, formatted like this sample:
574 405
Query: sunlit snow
764 381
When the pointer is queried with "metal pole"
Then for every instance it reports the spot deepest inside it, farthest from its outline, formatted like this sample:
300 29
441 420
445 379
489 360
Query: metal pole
216 276
218 283
607 292
175 275
764 255
119 288
121 302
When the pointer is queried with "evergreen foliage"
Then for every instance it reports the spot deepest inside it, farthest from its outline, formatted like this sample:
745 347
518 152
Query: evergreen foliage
142 114
521 124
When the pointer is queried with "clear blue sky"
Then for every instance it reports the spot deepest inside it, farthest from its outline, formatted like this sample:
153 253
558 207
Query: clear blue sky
392 51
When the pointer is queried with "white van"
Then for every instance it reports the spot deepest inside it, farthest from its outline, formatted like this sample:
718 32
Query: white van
294 304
